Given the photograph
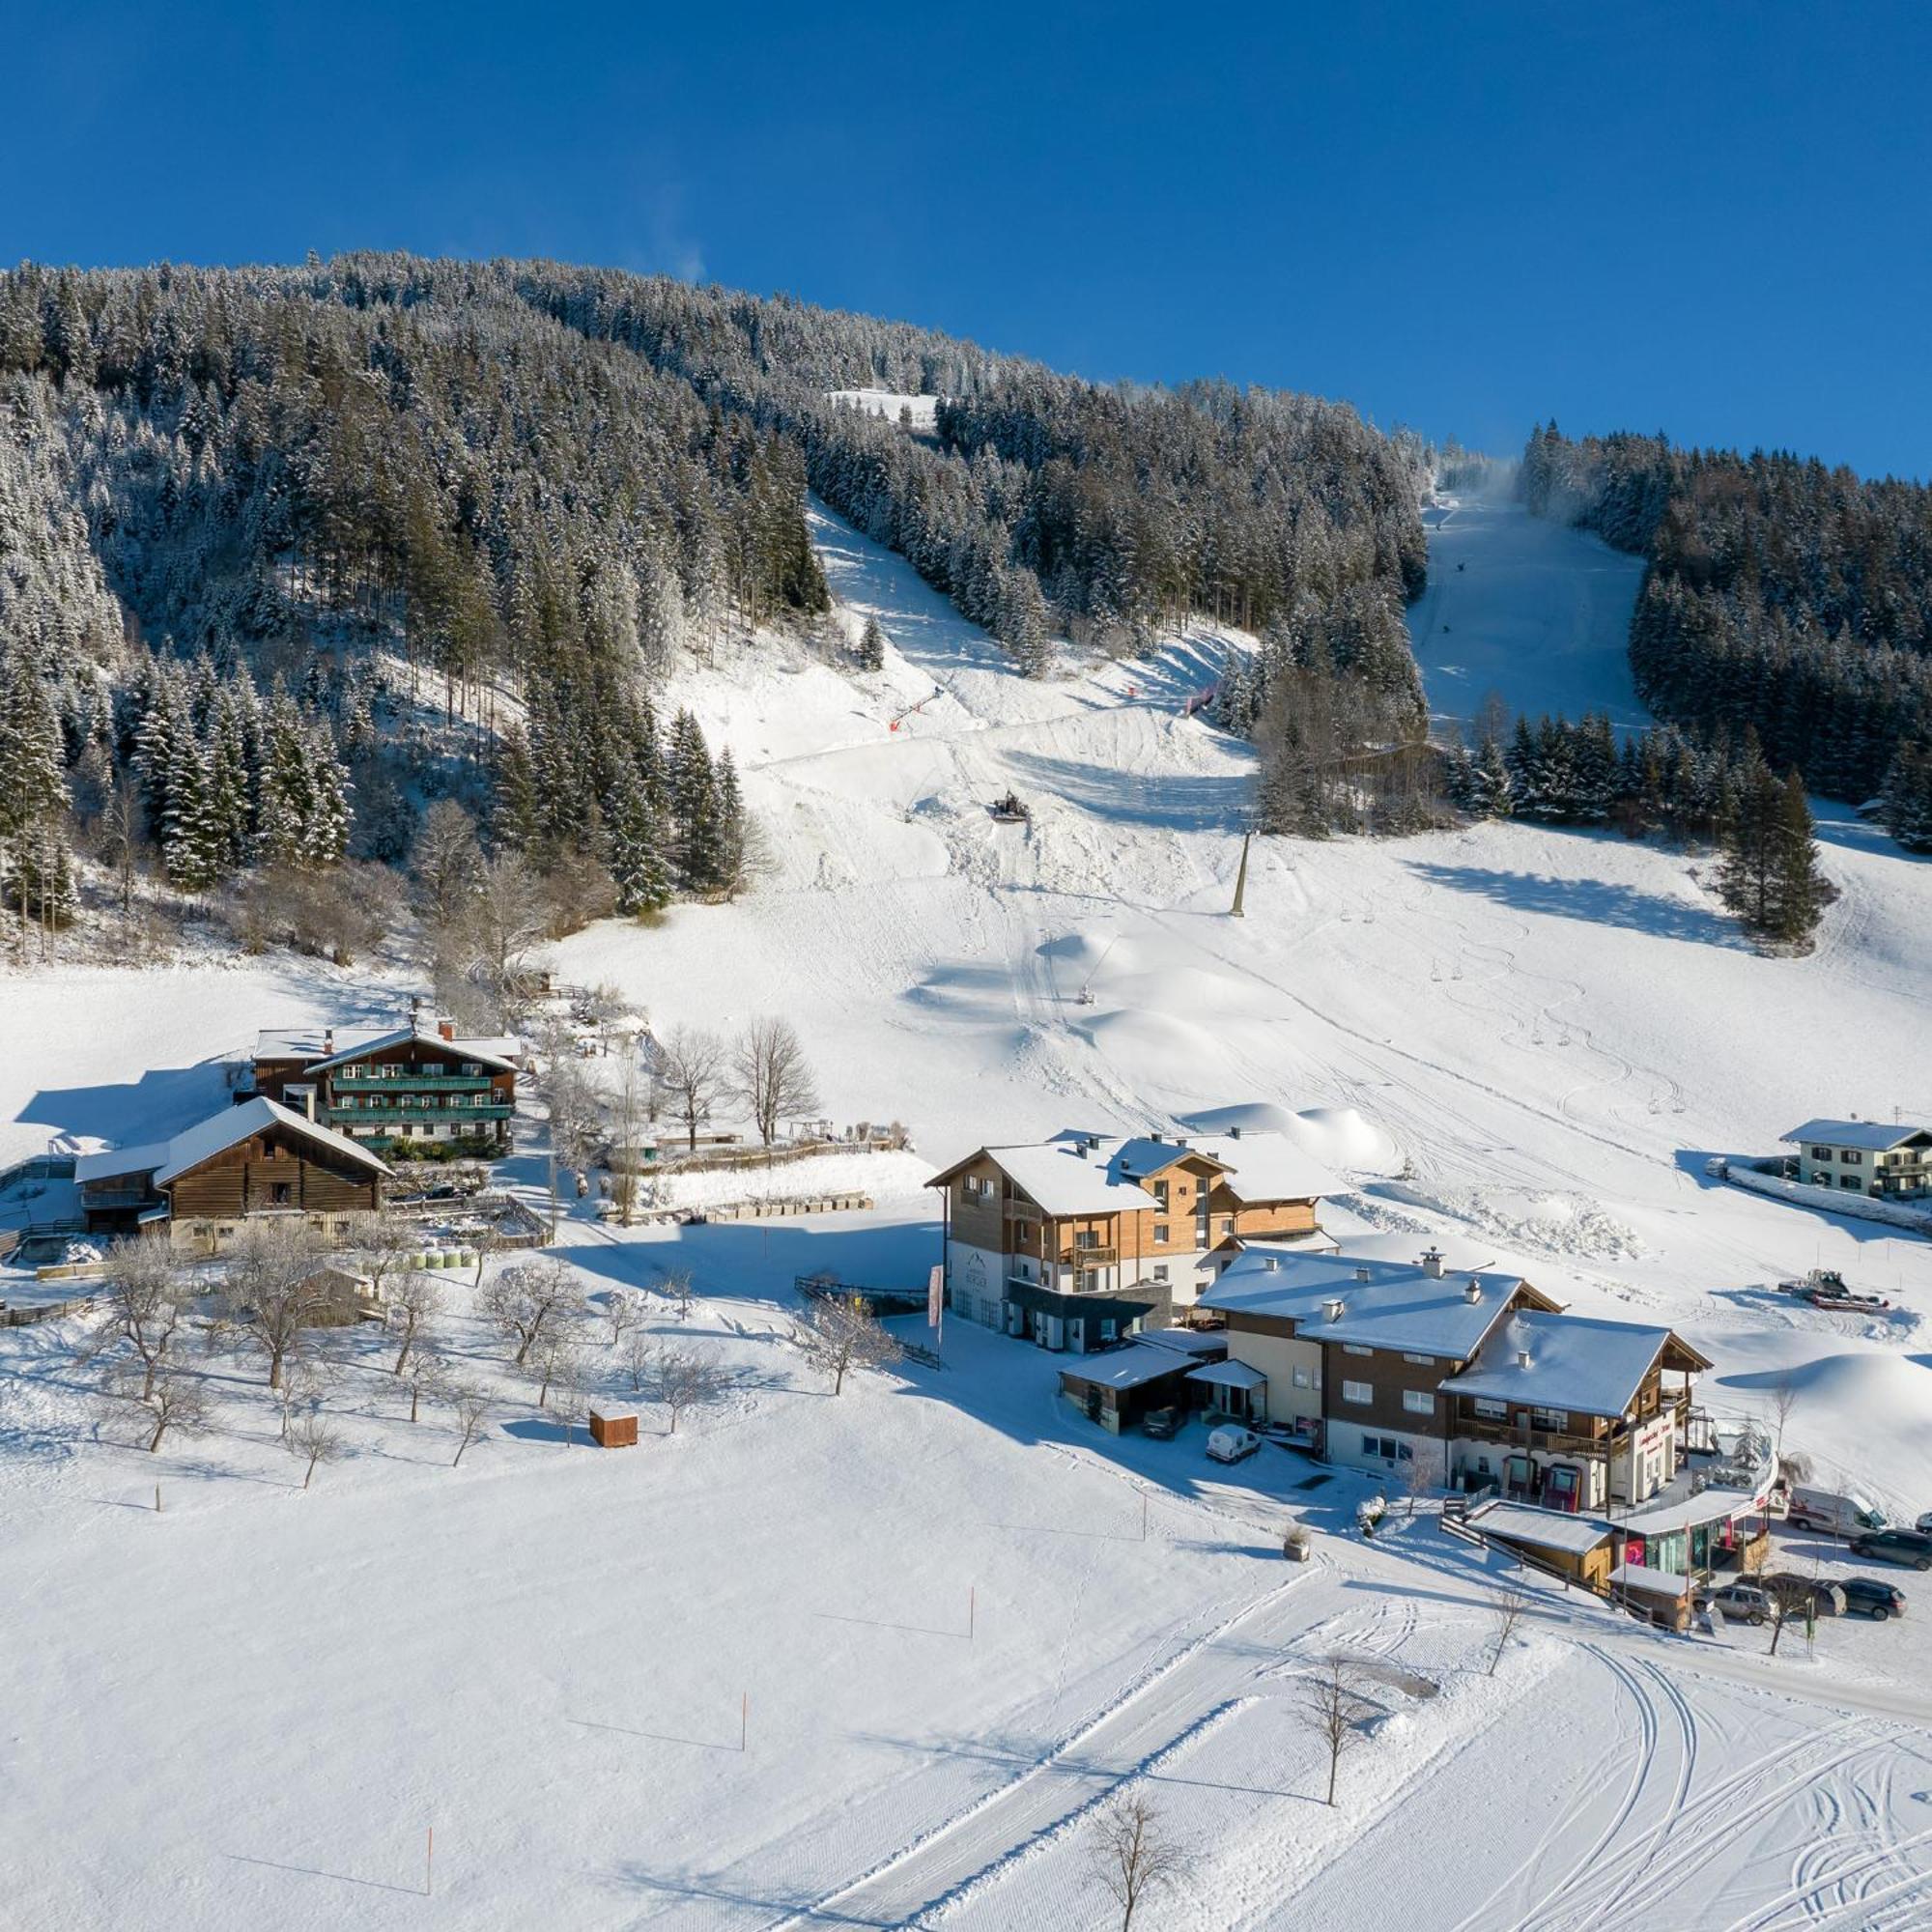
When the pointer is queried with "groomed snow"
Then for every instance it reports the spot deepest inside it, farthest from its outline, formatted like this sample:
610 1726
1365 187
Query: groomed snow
1518 1044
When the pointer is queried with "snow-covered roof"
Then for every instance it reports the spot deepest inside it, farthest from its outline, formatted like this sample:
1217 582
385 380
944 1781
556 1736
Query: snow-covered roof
1228 1375
1384 1304
1129 1367
1540 1528
166 1160
319 1047
1573 1362
1202 1343
1874 1136
1656 1582
1078 1173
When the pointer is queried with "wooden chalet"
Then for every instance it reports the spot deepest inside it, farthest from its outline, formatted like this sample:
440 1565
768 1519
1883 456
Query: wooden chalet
256 1160
391 1086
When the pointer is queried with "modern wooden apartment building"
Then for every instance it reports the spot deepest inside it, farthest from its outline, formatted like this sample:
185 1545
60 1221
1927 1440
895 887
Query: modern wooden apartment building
1080 1240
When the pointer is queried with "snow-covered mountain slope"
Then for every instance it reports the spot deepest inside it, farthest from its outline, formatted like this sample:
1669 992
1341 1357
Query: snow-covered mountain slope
1528 608
1555 1028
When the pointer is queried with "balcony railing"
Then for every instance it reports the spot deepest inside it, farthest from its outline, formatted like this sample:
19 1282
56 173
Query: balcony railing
351 1117
1078 1258
376 1083
1022 1210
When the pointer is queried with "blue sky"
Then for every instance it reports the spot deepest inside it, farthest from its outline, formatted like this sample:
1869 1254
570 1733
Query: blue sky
1708 218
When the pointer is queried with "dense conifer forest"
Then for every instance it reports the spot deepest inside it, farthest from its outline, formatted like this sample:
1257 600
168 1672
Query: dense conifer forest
1781 596
290 557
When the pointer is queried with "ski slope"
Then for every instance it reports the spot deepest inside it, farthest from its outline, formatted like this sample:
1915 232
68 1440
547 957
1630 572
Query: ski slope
1524 608
961 1615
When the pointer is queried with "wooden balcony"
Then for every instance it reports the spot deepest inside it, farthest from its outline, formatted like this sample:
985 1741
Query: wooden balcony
407 1082
1022 1210
368 1111
1079 1258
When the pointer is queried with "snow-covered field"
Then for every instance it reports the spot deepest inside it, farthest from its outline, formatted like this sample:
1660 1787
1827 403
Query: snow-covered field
248 1710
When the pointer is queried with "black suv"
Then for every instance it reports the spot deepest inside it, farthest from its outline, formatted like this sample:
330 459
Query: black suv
1896 1546
1872 1597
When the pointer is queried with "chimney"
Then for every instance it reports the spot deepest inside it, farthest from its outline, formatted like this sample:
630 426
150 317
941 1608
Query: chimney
1472 1290
1080 1149
1432 1263
1093 1142
1522 1358
1270 1262
1332 1310
1233 1133
445 1029
328 1040
1362 1271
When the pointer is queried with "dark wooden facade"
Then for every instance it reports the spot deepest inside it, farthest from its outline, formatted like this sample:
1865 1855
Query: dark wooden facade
420 1086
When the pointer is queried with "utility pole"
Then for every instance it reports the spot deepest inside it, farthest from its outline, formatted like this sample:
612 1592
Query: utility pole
1241 879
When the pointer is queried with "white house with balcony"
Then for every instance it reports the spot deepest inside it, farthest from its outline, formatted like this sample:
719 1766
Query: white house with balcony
1885 1161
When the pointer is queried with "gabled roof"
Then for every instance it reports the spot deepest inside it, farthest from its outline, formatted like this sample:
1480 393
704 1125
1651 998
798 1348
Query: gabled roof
1871 1136
1100 1173
1575 1363
318 1047
167 1161
1395 1305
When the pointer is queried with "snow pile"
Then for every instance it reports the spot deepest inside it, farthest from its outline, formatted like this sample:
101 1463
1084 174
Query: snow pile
1549 1223
1858 1397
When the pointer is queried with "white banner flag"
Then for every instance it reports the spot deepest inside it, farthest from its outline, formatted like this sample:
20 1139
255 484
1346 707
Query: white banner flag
935 1295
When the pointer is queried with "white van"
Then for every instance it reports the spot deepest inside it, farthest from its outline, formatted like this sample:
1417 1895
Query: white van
1837 1514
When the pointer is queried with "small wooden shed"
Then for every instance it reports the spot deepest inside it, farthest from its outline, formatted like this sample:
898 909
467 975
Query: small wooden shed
614 1430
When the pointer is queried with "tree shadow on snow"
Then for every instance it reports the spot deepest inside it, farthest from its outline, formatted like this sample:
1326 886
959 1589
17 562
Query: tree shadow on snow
1594 901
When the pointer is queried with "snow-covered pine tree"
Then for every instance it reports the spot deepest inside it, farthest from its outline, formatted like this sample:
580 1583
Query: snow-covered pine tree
1492 793
639 866
731 836
871 645
1796 886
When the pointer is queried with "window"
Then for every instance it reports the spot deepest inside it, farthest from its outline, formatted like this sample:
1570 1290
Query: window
1549 1418
280 1193
1418 1402
1160 1194
1389 1448
1108 1329
1360 1393
1355 1348
1160 1231
1301 1377
1848 1180
1086 1238
1487 1405
1227 1224
1852 1157
1821 1154
1160 1272
1426 1361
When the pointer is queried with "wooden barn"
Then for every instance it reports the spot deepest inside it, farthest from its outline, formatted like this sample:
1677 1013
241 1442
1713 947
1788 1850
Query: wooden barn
244 1163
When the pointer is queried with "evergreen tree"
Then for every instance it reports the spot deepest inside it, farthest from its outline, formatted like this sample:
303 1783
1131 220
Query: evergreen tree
731 836
639 864
1796 886
872 647
1492 794
1905 806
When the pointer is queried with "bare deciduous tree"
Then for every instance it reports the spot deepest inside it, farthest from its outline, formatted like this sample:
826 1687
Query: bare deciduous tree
526 1299
637 1350
770 1075
447 862
313 1438
1507 1611
841 1334
470 1405
508 918
690 1076
272 1288
308 1377
171 1399
570 1391
416 1303
556 1358
681 1379
571 1098
426 1375
1131 1856
677 1291
621 1315
1414 1478
146 1299
385 1245
1334 1710
1783 1400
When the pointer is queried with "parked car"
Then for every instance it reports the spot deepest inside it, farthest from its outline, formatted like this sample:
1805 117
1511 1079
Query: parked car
1827 1598
1228 1444
1924 1524
1896 1546
1872 1597
1837 1513
1162 1423
1743 1603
